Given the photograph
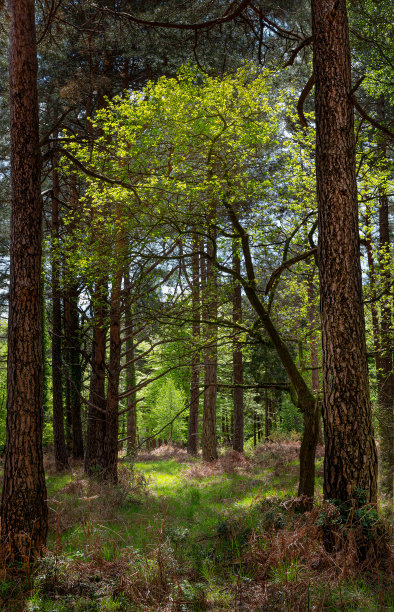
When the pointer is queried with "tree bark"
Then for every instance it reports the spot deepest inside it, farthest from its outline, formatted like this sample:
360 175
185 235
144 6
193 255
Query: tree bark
350 454
238 378
192 440
300 392
24 522
385 371
266 417
112 421
95 436
72 333
209 442
67 384
61 459
131 380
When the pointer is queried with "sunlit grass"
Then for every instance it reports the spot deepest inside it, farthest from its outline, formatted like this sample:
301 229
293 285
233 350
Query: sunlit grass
193 518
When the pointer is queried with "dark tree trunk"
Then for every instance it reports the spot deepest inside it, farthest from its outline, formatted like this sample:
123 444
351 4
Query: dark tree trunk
131 380
385 372
350 453
385 369
24 511
95 435
112 422
238 394
254 428
67 384
72 333
209 442
267 417
192 440
259 428
61 459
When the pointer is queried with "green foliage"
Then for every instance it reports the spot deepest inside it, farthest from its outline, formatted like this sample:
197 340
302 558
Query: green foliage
163 402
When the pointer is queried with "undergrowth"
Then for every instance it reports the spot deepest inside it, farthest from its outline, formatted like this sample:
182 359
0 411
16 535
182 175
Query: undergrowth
177 534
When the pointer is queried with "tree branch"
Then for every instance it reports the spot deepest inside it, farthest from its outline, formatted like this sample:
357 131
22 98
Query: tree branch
185 26
288 264
302 98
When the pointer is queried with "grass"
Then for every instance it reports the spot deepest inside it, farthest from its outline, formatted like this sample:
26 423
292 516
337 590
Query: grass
178 534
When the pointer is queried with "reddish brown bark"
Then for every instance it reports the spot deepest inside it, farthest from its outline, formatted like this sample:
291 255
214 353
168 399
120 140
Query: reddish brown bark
350 453
23 509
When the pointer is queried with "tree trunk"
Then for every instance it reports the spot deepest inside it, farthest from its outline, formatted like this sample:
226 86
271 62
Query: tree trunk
254 428
266 415
67 384
209 442
238 394
350 454
301 394
73 340
131 380
111 438
24 522
95 435
192 440
385 372
61 459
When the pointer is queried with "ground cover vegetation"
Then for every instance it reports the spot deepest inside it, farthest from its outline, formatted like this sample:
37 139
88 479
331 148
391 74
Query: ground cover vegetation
196 403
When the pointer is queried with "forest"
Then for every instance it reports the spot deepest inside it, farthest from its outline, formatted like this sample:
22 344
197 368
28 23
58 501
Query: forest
197 297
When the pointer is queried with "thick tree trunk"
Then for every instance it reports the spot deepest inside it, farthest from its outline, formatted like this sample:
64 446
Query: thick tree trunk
23 506
72 333
350 454
192 440
95 436
238 394
209 442
61 459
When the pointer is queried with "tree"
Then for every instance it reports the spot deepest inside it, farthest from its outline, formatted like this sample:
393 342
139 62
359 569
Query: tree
208 135
350 455
23 510
60 450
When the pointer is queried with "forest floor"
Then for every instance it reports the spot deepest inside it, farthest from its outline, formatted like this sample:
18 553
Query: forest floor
177 534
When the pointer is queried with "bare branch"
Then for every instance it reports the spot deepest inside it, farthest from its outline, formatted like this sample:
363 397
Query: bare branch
185 26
